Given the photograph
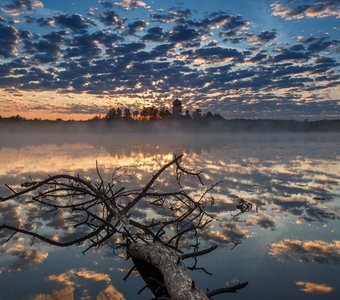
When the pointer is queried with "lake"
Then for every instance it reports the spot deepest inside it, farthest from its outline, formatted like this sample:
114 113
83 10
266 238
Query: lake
288 244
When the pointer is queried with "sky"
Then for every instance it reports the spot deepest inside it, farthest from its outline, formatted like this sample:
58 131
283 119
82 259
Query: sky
67 59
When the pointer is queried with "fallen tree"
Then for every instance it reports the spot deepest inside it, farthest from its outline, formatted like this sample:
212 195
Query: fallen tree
103 213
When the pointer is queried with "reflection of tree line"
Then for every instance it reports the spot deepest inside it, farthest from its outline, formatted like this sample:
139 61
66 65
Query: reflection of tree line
147 150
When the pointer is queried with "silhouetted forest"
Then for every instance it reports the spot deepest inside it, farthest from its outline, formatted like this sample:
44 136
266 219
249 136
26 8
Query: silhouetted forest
152 119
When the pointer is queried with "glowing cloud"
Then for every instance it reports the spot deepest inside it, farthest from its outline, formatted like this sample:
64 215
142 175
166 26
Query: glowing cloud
307 251
311 9
314 288
130 4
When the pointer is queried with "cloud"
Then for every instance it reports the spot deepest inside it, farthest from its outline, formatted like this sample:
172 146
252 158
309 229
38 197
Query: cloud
221 19
259 56
266 36
163 50
233 27
110 292
74 22
45 22
25 256
47 49
88 274
182 33
318 44
128 48
229 233
106 4
12 213
66 293
213 54
287 55
174 15
21 5
297 47
314 288
110 18
154 34
307 251
88 45
85 109
130 4
73 280
71 277
137 26
9 41
181 50
309 8
262 221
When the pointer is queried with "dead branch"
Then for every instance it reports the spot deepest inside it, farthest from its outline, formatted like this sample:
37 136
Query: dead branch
232 289
101 211
199 253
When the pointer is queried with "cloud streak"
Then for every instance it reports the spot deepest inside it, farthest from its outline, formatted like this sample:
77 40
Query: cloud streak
314 288
307 251
291 10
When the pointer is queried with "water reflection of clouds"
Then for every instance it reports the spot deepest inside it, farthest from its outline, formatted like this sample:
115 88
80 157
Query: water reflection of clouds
19 257
231 231
315 251
314 288
226 233
285 184
264 221
70 277
77 282
13 213
299 185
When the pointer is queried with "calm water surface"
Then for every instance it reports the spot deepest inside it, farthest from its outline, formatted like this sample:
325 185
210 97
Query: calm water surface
289 242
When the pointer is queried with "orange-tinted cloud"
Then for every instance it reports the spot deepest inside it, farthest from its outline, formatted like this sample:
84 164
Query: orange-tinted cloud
307 251
314 288
66 293
315 9
25 257
74 283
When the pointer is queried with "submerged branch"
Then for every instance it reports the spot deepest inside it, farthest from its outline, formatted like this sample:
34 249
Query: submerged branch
232 289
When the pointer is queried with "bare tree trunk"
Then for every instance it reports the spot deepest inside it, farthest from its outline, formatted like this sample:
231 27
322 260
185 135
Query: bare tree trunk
176 276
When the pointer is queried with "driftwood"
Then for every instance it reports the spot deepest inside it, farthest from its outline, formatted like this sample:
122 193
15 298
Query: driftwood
176 276
101 211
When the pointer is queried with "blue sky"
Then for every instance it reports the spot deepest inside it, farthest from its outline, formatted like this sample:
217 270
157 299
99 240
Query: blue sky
246 58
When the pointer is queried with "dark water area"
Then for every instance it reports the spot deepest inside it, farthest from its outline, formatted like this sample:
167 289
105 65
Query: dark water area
289 243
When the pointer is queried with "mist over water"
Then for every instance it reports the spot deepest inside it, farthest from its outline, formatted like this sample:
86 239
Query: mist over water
289 242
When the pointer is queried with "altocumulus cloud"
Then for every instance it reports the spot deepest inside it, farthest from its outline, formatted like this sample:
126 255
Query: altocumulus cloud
217 59
130 4
9 41
301 9
16 6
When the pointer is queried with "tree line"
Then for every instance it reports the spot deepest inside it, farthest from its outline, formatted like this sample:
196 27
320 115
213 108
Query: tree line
154 113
